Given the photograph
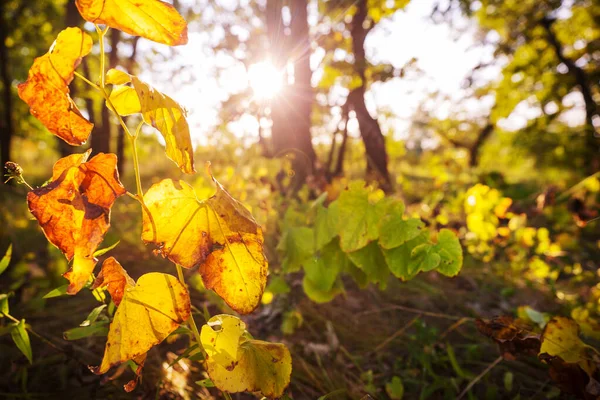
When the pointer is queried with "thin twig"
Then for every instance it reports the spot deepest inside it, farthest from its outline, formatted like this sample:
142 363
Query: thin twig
190 321
478 377
417 311
398 333
454 326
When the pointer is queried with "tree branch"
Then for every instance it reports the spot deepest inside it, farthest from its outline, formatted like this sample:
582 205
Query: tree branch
580 76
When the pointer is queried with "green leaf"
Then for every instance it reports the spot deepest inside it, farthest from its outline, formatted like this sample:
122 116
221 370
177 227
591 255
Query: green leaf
450 251
3 305
454 362
21 338
508 381
105 250
528 313
207 383
325 267
59 291
185 354
291 321
425 256
395 388
6 259
277 285
93 316
182 330
358 275
359 219
95 329
326 224
318 296
372 262
394 230
400 261
198 356
298 246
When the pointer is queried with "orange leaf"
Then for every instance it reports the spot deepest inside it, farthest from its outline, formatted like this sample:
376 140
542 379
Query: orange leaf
152 19
114 276
46 90
74 209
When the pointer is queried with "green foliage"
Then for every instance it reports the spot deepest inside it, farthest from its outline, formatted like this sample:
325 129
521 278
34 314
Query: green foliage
21 338
59 291
367 236
395 388
4 306
82 332
5 259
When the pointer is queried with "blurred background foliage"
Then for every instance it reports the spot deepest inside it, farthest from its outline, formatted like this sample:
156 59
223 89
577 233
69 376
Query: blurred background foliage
509 161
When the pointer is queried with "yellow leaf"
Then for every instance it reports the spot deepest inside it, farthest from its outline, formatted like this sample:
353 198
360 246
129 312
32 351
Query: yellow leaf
218 234
46 90
74 209
561 339
117 77
153 19
161 112
148 313
220 338
125 100
259 366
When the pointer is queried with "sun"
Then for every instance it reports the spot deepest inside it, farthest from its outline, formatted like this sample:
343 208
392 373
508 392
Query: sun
264 79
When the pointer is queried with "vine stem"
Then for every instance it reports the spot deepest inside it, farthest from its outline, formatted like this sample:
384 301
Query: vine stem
111 106
109 102
101 34
34 333
136 162
136 165
191 323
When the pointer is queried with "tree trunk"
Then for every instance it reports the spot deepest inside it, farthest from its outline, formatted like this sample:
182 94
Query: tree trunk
475 149
339 165
277 47
370 131
592 111
6 125
101 137
71 19
291 108
302 95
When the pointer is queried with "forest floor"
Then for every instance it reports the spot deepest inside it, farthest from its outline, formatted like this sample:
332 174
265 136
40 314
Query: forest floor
422 331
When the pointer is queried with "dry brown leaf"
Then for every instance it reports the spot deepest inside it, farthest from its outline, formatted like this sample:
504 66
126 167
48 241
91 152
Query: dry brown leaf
514 338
